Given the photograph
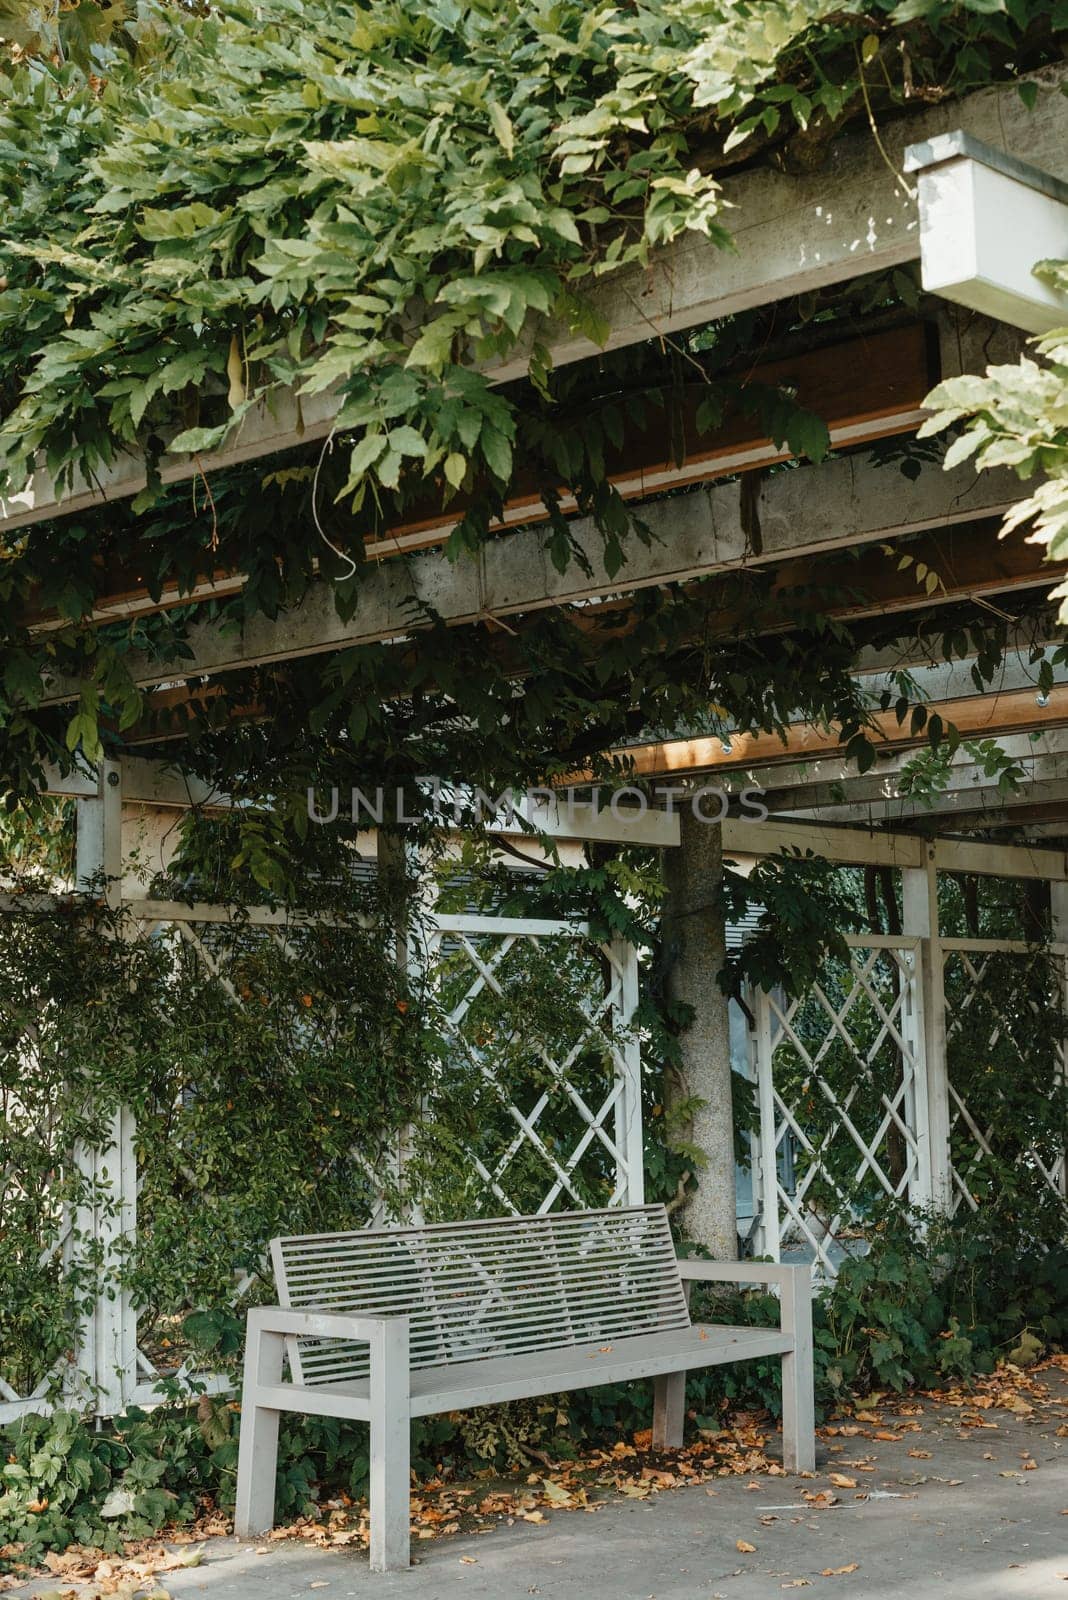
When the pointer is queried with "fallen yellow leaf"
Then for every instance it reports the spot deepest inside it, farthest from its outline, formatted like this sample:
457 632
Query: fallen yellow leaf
744 1547
838 1572
840 1480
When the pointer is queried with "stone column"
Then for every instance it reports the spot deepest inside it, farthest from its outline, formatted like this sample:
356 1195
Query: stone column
695 952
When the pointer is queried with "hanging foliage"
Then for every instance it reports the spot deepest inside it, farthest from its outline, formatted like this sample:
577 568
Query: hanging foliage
383 200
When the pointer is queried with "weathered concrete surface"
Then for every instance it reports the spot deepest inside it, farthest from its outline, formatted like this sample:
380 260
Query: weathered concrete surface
695 946
988 1537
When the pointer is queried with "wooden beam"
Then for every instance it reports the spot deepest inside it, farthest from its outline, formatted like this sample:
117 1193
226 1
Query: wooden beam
975 562
979 804
832 784
793 234
847 501
152 783
976 716
845 845
999 860
856 846
865 389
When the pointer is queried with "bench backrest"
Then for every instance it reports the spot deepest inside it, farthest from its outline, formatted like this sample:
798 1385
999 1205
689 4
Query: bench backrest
472 1290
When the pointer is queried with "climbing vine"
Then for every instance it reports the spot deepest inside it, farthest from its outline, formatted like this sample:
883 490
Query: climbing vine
202 209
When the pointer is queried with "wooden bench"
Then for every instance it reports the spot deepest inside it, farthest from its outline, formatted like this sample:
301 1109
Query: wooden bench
388 1325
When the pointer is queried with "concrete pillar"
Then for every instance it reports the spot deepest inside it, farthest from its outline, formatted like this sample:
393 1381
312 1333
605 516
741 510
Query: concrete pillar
695 952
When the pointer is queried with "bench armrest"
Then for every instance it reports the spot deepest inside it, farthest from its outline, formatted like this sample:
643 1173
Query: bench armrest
322 1324
795 1287
742 1271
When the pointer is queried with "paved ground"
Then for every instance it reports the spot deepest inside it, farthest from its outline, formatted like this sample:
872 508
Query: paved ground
969 1521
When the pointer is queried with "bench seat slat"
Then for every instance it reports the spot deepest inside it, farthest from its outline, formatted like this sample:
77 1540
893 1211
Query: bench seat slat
462 1385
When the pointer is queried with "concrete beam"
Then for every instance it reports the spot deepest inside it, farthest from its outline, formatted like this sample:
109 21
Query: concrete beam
803 511
793 234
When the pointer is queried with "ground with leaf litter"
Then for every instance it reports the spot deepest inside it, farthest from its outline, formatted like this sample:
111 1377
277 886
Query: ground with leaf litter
960 1493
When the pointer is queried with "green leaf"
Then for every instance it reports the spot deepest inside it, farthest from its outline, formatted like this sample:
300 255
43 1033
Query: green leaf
198 441
497 453
406 441
808 435
502 127
365 454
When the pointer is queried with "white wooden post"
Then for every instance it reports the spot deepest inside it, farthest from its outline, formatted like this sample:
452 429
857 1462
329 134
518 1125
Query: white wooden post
390 1495
401 878
258 1443
628 1125
769 1243
1058 899
920 918
106 1345
798 1419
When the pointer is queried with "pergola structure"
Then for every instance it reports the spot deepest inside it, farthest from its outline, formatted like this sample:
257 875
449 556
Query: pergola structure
990 195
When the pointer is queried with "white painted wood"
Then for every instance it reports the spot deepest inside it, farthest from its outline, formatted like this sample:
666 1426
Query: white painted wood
793 234
98 836
1058 896
390 1420
889 849
883 986
984 222
798 1408
835 844
524 1376
257 1460
795 1299
522 927
149 836
669 1410
104 1371
1000 860
629 1127
202 911
919 906
828 788
561 817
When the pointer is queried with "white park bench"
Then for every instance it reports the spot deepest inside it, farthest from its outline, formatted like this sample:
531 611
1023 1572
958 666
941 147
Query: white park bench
382 1326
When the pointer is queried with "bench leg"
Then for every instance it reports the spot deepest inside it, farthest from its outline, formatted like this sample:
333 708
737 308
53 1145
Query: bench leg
669 1410
798 1414
257 1457
390 1450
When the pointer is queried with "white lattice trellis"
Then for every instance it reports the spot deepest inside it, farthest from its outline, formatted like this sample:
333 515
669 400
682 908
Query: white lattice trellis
969 968
816 1171
611 1119
111 1370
